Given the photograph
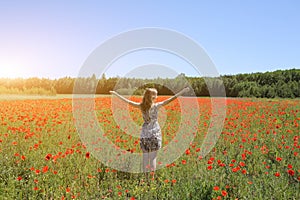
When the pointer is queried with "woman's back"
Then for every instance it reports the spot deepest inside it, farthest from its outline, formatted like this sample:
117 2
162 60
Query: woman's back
151 126
152 114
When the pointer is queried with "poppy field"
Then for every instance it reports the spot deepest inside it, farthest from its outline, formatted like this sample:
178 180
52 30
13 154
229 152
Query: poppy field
256 156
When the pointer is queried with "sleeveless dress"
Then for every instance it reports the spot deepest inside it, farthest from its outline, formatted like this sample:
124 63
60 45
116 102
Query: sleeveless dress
151 139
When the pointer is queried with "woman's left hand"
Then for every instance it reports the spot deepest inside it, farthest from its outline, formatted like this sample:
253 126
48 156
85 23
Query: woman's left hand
186 89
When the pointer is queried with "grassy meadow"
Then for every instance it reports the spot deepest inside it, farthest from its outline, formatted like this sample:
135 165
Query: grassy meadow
256 156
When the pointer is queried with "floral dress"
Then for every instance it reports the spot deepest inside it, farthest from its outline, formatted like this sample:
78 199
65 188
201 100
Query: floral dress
151 133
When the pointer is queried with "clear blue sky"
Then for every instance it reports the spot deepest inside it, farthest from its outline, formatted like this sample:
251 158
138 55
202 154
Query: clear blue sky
52 39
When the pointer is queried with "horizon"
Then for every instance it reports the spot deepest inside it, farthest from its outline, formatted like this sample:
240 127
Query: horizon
14 78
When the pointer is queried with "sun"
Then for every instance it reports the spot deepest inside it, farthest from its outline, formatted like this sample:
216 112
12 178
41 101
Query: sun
15 63
11 70
7 72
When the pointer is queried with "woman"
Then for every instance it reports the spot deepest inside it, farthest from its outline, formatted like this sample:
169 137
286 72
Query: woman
150 139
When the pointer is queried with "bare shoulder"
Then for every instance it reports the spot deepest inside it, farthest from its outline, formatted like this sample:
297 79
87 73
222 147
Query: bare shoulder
138 105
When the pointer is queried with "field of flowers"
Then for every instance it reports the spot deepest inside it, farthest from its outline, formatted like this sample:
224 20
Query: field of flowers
256 156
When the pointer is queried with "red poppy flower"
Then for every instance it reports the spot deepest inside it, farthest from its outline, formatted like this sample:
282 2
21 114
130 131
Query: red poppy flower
23 157
216 188
278 159
87 155
224 193
45 169
48 156
277 174
68 190
291 172
187 152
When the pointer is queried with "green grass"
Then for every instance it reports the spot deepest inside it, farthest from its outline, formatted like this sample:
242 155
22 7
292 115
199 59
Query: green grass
256 156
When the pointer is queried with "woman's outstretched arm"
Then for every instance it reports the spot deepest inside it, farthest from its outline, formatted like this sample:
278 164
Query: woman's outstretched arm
135 104
174 97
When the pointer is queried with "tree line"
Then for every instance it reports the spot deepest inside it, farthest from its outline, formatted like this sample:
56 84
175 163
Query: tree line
280 83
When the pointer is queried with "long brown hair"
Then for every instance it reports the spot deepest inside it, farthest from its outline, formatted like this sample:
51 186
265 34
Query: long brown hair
148 101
